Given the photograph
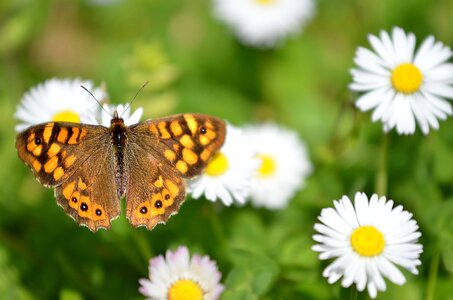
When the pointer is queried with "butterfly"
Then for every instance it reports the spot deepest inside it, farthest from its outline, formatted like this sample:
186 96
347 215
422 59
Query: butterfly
92 167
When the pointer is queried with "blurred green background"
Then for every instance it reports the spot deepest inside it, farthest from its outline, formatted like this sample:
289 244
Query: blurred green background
195 64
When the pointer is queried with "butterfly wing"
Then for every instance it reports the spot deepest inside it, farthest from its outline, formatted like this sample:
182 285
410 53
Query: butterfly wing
77 160
161 154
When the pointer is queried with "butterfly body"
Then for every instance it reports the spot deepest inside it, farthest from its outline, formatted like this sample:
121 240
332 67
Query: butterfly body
92 167
118 133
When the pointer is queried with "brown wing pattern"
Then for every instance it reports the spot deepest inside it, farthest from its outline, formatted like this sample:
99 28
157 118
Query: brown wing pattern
155 191
162 153
186 141
54 151
77 160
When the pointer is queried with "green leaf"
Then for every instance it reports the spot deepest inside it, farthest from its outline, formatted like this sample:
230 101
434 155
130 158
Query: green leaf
253 273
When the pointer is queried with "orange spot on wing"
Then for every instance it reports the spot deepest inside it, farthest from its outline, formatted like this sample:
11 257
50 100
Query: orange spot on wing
165 195
68 190
51 164
58 173
189 156
75 134
163 130
99 213
83 133
182 166
76 196
69 161
175 127
88 212
172 188
155 211
153 129
170 155
205 155
47 132
159 182
31 146
204 140
53 150
81 185
62 135
31 137
36 165
186 141
210 134
37 151
191 123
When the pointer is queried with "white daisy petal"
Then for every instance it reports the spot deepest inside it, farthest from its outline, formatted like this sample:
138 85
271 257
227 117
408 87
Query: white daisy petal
440 74
283 165
264 23
382 238
369 61
404 88
178 274
59 100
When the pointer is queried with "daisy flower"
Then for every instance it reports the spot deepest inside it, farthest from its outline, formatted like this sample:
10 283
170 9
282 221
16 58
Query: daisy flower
129 119
403 86
230 172
179 277
263 23
367 240
58 100
284 165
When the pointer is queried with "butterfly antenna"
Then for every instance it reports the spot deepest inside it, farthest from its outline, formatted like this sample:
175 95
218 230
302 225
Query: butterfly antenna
138 92
96 100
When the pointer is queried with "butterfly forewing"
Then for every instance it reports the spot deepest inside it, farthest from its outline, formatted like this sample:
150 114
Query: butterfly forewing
186 141
54 151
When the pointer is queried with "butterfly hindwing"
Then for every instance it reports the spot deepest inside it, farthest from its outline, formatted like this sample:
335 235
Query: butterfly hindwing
90 196
154 191
77 160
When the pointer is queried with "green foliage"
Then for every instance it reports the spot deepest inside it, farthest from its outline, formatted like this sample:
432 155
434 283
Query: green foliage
194 63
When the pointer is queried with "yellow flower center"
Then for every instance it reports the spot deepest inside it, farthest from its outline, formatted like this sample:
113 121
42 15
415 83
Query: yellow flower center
407 78
265 2
218 165
66 116
367 241
267 167
185 290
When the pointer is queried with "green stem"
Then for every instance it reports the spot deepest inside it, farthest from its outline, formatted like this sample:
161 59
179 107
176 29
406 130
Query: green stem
353 294
432 277
217 229
381 176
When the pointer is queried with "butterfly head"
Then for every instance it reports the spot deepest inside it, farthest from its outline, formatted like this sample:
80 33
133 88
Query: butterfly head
116 121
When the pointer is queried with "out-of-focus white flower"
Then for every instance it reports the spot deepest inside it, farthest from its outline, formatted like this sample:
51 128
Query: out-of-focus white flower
59 100
263 23
284 165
